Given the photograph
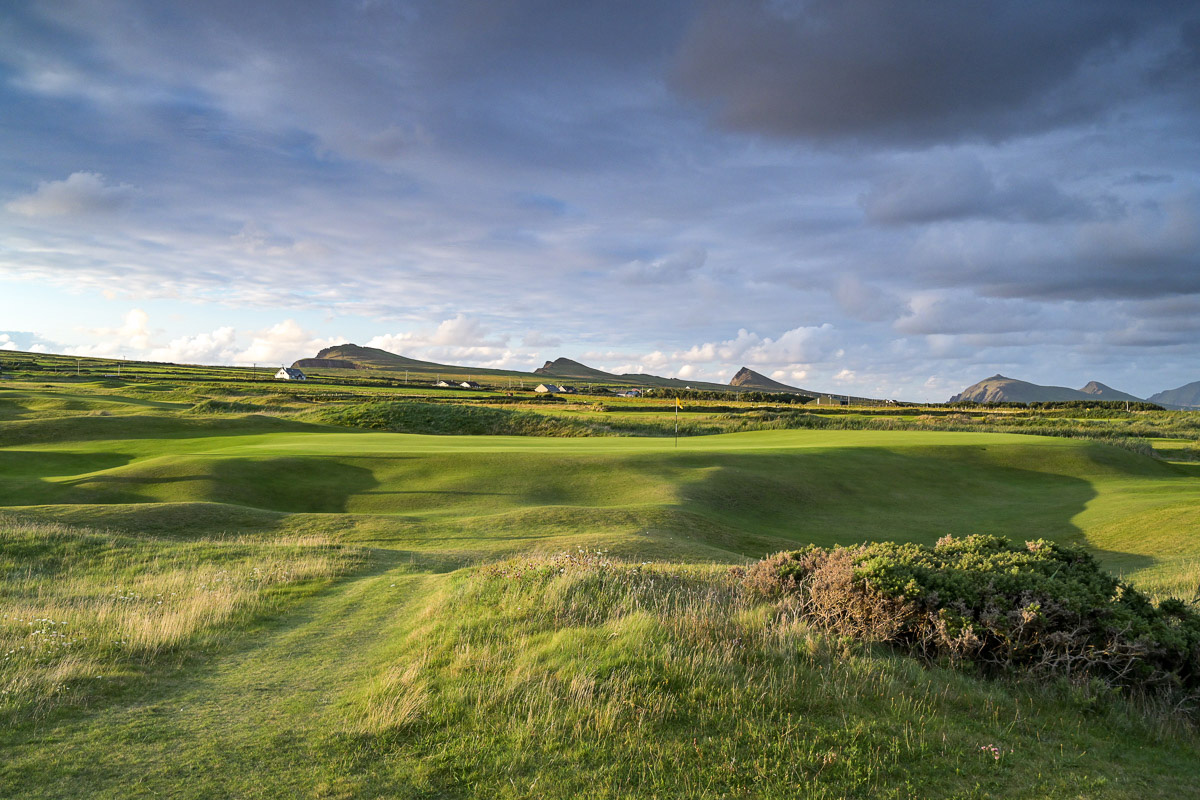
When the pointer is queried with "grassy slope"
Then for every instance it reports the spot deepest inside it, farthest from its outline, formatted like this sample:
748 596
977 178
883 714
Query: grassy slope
310 698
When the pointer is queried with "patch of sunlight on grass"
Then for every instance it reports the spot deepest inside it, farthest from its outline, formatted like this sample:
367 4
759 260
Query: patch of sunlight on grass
80 609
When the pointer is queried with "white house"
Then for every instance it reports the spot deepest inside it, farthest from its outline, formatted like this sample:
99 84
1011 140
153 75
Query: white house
548 388
443 384
470 385
289 374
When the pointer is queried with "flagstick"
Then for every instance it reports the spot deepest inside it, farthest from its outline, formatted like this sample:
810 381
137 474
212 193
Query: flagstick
676 422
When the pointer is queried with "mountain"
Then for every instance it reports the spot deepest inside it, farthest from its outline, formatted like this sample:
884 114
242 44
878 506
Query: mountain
747 378
361 357
999 389
1101 392
1186 396
566 368
353 356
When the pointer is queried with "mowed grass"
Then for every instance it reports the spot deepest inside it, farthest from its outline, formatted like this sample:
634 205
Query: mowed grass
727 497
412 677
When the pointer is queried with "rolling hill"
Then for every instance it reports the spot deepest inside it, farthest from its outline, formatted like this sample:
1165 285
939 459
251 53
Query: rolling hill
1000 389
566 368
747 378
1186 396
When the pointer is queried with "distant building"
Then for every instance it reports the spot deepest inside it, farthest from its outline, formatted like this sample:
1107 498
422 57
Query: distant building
444 385
470 385
629 393
289 374
548 388
567 389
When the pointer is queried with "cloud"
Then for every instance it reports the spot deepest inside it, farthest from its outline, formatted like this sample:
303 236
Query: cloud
215 347
501 180
538 339
802 345
136 338
960 187
282 344
866 301
81 194
876 70
458 332
674 268
134 335
25 341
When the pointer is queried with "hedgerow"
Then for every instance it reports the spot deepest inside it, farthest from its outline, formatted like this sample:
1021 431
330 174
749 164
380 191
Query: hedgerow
1044 608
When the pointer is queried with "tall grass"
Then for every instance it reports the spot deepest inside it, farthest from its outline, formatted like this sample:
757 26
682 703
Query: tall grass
81 611
577 676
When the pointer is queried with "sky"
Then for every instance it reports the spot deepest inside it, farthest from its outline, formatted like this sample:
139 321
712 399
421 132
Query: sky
865 196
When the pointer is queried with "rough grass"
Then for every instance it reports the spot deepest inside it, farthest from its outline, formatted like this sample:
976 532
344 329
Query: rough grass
82 611
448 418
577 676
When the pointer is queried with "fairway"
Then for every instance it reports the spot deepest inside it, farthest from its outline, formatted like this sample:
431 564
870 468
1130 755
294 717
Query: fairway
724 497
336 692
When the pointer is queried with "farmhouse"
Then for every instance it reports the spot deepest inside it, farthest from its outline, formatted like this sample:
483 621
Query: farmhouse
444 385
470 385
290 374
548 388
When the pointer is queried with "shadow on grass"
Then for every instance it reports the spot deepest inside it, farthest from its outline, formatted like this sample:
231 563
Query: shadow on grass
854 495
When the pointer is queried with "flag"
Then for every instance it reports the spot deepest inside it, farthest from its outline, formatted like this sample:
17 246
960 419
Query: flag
678 403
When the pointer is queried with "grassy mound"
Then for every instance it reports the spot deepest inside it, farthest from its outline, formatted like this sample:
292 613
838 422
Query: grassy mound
576 676
1044 607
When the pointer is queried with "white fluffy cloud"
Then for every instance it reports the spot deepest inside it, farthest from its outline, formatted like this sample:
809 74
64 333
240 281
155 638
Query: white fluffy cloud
132 337
802 345
283 343
460 337
81 194
135 338
215 347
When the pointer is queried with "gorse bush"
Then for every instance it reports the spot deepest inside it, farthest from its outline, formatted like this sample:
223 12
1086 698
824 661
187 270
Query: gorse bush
1044 608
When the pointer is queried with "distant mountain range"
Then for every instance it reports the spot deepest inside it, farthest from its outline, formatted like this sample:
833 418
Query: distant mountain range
996 389
1000 389
1186 396
359 358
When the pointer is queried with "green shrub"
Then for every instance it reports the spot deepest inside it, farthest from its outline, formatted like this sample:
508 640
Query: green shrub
1045 608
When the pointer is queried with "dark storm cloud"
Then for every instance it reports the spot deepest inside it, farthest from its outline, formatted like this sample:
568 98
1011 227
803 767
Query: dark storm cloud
931 71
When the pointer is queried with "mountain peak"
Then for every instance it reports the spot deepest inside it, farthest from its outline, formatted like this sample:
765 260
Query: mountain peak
999 389
749 379
568 368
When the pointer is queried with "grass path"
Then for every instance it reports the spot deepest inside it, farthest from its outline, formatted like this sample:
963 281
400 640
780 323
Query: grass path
258 721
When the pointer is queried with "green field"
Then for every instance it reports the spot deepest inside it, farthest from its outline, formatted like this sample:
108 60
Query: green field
390 658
